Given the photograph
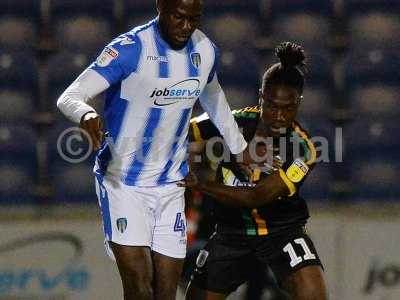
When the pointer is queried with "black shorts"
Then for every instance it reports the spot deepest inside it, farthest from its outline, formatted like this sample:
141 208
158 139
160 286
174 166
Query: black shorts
228 260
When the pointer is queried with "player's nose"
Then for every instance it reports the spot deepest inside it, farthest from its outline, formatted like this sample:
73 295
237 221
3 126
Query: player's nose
187 27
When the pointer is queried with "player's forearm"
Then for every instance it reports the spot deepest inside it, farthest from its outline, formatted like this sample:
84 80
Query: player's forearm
266 192
214 102
73 102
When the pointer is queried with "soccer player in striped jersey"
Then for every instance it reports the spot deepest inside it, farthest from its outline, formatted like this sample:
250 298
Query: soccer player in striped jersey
260 214
153 75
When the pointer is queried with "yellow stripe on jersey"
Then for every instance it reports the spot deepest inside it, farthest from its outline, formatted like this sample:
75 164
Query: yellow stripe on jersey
252 109
228 177
289 184
310 144
196 132
261 224
255 176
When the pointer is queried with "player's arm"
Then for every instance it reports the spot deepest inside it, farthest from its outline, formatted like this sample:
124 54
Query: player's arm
214 102
73 103
284 182
265 192
115 63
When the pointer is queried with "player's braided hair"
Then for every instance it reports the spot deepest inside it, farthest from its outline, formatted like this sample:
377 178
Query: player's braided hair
288 71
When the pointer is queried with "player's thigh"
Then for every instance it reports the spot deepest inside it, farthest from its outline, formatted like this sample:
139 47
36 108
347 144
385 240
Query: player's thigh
307 283
166 276
296 265
127 218
169 235
222 266
134 264
196 293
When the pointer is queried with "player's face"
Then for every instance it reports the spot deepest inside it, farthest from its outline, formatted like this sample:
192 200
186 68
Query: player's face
279 108
178 20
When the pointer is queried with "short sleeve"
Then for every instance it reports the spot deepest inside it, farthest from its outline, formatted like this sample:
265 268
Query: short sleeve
119 59
294 172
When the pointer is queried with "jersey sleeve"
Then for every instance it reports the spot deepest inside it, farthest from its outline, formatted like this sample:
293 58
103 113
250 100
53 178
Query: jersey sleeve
294 172
202 128
119 59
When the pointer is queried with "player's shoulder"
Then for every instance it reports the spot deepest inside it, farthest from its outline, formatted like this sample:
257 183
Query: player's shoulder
305 139
130 43
200 39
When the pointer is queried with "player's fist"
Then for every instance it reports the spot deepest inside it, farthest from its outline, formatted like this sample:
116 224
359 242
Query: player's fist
93 125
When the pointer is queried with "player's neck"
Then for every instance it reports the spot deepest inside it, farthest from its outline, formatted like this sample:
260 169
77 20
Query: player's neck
262 131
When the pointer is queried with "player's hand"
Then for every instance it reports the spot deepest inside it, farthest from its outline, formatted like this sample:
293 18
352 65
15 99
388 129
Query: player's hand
93 125
190 181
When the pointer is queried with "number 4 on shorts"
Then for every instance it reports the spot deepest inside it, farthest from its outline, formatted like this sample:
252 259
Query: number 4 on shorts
294 259
179 224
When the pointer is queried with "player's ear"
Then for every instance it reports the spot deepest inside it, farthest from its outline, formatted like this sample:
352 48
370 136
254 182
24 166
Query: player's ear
260 98
159 5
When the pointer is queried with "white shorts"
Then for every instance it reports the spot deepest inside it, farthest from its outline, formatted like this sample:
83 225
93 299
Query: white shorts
144 216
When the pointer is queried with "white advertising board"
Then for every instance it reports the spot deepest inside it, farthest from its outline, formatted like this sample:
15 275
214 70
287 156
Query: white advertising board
56 261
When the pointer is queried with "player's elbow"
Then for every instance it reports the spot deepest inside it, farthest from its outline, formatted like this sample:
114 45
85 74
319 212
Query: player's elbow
60 103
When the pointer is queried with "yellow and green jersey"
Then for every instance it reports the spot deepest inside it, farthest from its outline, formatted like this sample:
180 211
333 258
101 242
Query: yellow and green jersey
298 156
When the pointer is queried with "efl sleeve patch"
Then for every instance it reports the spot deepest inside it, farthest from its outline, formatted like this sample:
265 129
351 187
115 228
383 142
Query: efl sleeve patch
297 171
107 56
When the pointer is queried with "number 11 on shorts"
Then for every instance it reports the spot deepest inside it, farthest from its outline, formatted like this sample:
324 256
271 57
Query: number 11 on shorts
294 259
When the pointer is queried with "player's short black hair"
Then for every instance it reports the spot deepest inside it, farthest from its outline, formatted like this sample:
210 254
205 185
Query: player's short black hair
287 71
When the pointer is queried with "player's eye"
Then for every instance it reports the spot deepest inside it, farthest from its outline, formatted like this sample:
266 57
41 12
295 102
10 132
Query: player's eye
196 19
178 16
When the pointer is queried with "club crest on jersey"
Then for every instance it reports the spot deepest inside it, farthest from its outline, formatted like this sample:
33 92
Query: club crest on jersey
107 56
196 59
122 223
297 171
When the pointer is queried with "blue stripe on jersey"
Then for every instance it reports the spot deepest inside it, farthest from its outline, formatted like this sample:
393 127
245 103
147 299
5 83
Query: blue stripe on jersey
193 70
182 124
138 160
114 113
162 52
103 158
184 169
105 208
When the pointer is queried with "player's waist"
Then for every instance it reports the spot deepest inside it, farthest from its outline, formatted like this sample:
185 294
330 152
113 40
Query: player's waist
143 175
232 229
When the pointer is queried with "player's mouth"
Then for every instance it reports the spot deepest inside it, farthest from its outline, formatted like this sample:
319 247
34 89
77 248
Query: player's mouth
182 38
277 128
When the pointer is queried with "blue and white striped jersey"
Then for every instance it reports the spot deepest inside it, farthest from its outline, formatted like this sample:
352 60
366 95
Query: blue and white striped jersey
149 101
